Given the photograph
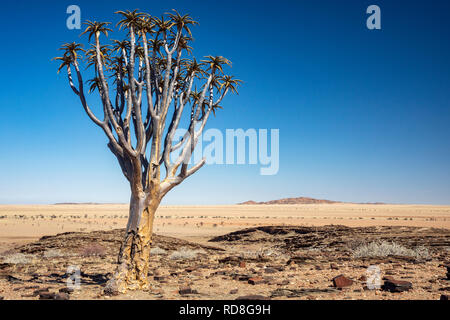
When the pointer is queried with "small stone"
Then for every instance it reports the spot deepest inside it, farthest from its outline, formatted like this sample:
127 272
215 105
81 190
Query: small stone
396 285
62 296
187 290
255 280
233 291
341 281
363 278
334 267
47 296
242 264
253 297
242 277
65 290
270 270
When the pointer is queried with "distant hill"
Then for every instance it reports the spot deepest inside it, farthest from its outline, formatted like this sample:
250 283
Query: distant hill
299 200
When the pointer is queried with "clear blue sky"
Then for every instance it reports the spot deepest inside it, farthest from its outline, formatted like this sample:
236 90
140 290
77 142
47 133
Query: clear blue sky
363 115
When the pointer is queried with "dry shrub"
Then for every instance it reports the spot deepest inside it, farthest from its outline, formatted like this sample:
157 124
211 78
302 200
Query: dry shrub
18 258
185 253
384 249
157 251
53 253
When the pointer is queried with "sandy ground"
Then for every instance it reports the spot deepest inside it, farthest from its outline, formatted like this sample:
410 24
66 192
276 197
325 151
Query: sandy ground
20 224
213 275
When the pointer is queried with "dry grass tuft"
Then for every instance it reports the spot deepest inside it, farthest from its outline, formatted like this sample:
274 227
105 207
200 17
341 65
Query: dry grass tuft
185 254
18 258
384 249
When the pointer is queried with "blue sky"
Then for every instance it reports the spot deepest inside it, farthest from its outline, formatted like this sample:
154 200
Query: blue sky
363 114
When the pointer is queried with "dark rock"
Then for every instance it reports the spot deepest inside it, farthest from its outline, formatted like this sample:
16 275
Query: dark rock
233 291
242 277
62 296
445 297
396 285
252 297
13 279
187 291
2 298
270 270
334 267
47 296
39 291
295 293
298 260
256 280
341 281
65 290
363 278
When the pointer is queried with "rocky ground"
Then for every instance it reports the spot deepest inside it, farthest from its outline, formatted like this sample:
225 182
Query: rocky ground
273 262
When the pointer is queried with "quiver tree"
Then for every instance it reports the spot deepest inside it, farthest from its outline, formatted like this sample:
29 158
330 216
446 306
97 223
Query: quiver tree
145 84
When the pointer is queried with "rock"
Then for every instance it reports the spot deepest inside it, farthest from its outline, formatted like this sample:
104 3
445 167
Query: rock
297 260
2 298
270 270
253 297
62 296
242 264
65 290
445 297
47 295
13 279
233 291
396 285
242 277
334 267
255 280
363 278
39 291
159 278
295 293
341 281
187 290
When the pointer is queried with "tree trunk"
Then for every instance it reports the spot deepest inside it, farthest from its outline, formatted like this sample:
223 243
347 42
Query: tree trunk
134 255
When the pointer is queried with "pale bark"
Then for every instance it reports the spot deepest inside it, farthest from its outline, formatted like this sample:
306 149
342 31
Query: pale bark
142 167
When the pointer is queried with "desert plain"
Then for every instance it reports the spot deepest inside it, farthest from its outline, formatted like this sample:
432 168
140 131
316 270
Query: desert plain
293 251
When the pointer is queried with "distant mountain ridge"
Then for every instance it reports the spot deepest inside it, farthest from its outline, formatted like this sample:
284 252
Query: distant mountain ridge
298 200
